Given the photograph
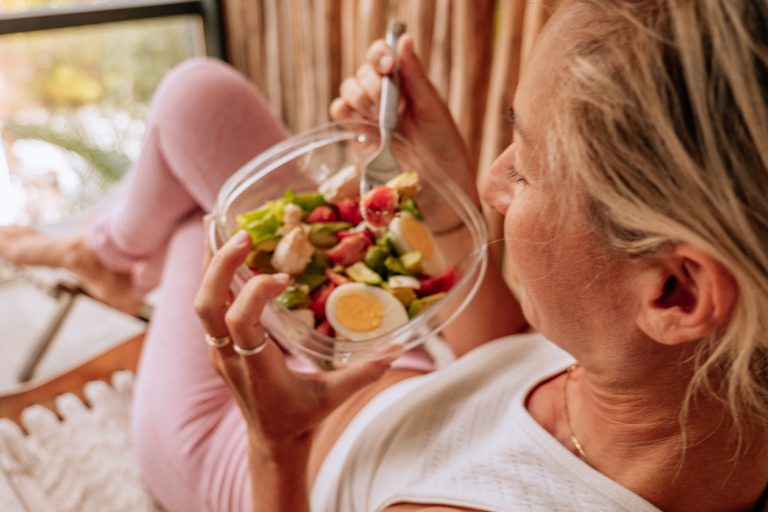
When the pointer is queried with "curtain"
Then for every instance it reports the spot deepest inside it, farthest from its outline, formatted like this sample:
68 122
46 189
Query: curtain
298 52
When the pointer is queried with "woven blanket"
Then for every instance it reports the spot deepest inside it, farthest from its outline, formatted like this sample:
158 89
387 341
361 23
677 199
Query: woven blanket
80 463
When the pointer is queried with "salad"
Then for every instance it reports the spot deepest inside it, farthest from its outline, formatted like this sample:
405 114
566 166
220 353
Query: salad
351 278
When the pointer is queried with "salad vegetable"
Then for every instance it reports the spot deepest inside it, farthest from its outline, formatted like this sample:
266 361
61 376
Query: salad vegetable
354 278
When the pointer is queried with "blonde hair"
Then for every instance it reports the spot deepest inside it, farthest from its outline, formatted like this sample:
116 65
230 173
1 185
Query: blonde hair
664 122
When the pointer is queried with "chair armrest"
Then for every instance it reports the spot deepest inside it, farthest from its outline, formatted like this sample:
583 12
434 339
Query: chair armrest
124 356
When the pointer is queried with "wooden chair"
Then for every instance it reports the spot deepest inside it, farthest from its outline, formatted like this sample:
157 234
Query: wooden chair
65 443
124 356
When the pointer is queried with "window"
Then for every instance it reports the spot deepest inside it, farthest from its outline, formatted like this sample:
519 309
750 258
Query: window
75 85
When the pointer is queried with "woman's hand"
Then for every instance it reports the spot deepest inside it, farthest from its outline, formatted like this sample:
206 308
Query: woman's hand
281 407
424 117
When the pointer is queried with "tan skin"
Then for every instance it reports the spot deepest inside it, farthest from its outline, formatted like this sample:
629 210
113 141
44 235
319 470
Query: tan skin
614 314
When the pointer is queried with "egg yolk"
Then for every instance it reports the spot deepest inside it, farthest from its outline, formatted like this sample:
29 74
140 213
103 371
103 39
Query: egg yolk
416 236
359 312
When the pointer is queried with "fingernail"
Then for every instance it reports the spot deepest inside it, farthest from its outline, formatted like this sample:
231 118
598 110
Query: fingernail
385 62
281 277
241 238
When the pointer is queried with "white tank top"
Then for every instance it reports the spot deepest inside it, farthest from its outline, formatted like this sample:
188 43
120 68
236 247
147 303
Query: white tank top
461 436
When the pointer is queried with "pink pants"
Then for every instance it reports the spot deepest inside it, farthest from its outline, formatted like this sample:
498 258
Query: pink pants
189 437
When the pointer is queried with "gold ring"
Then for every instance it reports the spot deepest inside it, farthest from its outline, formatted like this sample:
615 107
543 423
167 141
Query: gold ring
251 351
217 341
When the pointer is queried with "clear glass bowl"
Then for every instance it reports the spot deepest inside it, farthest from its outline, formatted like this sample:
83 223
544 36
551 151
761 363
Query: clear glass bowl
303 162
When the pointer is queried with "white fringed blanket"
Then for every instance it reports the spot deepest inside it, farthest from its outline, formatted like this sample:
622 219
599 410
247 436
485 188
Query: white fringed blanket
81 463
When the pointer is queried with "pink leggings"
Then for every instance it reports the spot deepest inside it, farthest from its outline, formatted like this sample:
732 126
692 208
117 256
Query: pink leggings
189 437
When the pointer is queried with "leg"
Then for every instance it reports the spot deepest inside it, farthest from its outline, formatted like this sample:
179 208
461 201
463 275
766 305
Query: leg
188 433
206 121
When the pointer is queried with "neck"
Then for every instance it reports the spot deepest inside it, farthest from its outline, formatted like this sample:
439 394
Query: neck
628 425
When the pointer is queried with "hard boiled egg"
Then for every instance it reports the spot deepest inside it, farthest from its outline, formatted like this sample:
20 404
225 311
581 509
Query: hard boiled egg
358 311
410 234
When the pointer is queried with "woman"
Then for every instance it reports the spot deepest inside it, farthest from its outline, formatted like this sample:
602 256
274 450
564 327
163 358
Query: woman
635 218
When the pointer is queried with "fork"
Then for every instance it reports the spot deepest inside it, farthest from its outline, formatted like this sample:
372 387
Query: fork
382 166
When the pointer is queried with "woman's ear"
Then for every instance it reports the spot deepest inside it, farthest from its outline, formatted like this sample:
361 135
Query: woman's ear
686 294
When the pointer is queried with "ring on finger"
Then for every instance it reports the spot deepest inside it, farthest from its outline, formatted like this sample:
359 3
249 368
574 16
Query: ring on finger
251 351
217 341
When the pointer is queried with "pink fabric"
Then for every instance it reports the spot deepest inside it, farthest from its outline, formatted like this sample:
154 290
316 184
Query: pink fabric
190 439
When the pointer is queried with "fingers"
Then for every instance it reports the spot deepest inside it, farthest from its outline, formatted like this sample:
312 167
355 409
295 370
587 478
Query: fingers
380 57
207 227
243 319
340 110
356 97
414 80
359 96
214 295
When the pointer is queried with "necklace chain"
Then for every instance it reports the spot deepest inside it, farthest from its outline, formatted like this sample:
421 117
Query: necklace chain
576 443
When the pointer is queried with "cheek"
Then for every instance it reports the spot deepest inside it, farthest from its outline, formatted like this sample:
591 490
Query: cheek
529 248
549 262
528 235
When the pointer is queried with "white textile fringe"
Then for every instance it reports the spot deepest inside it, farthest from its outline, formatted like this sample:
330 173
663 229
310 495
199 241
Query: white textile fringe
79 464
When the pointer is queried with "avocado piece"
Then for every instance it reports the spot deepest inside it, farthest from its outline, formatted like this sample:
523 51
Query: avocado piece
313 281
360 273
323 234
261 261
419 305
411 261
308 201
294 297
394 266
409 205
406 184
329 227
384 242
375 257
267 245
406 296
323 240
314 273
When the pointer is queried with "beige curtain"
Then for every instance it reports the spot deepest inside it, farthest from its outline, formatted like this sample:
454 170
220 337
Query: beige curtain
298 51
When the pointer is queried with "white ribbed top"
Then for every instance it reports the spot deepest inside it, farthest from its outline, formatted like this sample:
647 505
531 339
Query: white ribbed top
461 436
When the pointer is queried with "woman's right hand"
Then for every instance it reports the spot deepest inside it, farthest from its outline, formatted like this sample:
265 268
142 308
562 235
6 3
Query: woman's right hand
424 117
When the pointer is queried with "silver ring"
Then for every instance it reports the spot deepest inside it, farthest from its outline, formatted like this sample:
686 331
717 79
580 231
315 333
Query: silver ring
217 341
251 351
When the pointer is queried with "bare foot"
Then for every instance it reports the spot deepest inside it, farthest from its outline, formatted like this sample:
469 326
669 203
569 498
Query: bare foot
27 246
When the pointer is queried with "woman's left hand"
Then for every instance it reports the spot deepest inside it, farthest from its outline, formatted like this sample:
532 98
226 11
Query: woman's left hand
281 407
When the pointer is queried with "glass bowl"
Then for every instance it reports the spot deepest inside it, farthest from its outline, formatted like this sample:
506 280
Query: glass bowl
302 163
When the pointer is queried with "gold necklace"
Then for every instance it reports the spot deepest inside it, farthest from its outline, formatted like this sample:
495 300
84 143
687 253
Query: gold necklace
574 440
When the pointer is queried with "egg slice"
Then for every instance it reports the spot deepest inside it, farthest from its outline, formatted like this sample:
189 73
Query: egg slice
410 234
357 311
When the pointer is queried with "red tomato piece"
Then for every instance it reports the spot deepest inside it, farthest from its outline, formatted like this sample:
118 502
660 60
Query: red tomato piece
336 278
380 206
319 298
341 235
349 211
325 328
440 283
322 213
350 249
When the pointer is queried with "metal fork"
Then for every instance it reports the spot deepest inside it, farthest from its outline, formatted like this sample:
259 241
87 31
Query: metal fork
382 166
